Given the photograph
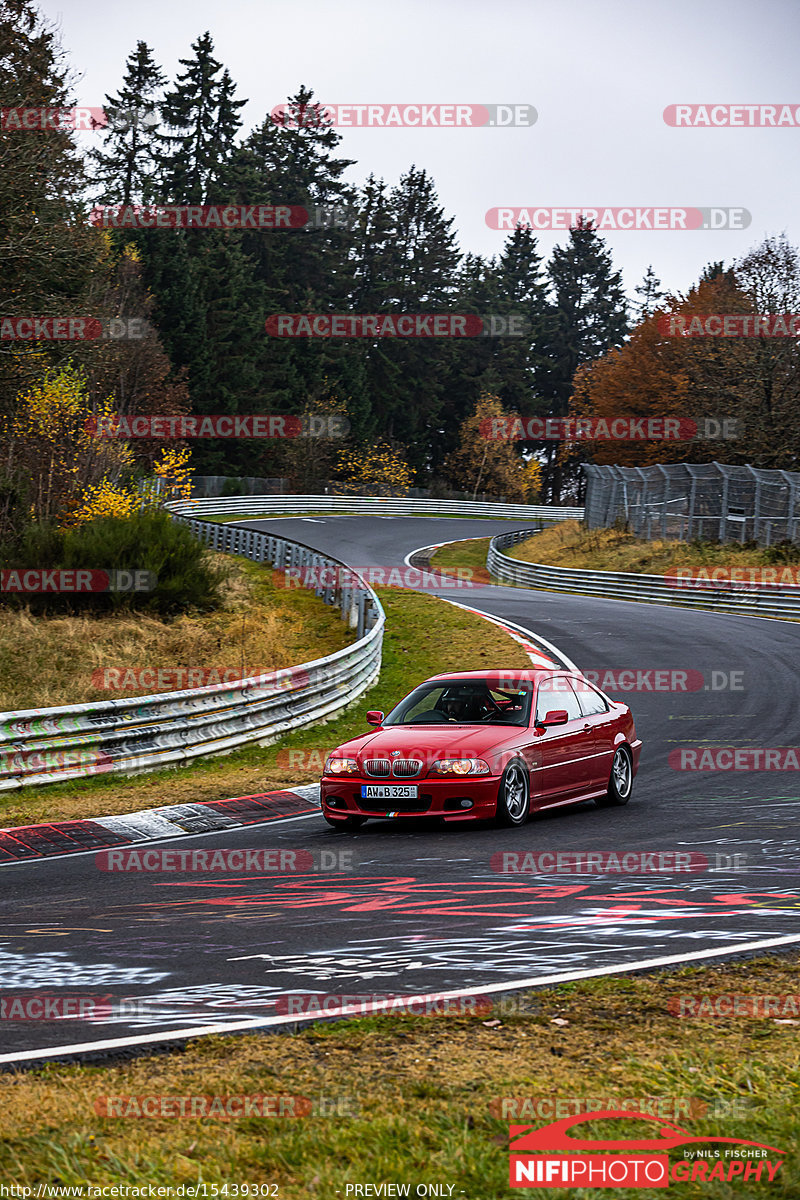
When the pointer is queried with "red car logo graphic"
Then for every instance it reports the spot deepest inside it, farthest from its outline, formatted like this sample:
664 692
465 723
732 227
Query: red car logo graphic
556 1137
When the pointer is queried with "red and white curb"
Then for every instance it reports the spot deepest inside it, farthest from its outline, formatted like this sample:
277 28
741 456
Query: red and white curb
27 842
524 637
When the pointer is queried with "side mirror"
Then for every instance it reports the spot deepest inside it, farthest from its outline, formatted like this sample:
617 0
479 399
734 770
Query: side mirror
558 716
376 718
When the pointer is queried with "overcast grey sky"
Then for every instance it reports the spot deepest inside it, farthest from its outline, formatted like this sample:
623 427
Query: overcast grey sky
598 73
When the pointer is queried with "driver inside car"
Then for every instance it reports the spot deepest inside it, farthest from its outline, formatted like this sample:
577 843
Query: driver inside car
465 705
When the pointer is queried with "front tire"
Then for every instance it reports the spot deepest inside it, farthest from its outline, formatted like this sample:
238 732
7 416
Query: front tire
620 784
514 796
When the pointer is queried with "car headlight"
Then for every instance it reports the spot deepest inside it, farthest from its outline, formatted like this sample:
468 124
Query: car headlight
460 766
340 766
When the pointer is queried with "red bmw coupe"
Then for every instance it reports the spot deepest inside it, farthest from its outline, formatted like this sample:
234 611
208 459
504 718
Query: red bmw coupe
485 744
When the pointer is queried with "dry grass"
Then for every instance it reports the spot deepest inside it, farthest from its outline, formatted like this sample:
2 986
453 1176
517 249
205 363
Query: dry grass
49 661
568 544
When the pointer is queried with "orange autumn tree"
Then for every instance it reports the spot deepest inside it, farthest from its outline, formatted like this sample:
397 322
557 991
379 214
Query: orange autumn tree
655 375
493 465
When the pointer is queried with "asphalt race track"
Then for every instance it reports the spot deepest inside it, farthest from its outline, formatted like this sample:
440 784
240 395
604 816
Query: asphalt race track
418 908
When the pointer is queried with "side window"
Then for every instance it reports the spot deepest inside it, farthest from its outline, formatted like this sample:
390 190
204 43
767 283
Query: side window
591 701
557 694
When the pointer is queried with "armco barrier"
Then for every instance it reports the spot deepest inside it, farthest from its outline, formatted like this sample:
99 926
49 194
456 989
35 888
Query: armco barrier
375 505
50 745
650 589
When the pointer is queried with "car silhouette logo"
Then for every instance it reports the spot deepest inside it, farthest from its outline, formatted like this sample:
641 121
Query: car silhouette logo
556 1135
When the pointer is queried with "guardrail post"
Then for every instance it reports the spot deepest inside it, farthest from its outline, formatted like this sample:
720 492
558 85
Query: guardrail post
723 506
756 505
361 621
692 497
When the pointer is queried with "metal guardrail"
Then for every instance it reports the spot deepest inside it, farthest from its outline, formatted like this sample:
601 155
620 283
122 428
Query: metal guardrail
142 733
376 505
744 599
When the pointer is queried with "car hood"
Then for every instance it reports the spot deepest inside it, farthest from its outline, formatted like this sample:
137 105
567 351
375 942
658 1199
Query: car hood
469 741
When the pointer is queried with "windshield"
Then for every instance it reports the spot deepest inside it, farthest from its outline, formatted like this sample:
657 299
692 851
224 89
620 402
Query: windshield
463 702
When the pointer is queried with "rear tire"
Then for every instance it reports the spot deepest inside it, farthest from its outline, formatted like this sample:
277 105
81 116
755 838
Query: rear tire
514 796
348 825
620 784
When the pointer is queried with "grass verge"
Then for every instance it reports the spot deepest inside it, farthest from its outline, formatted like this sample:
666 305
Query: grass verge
423 637
58 660
414 1100
568 544
470 554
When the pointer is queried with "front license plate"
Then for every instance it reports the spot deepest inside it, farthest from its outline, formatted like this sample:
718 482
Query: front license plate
389 791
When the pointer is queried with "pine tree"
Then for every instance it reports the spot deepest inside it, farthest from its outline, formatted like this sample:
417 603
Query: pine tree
207 306
294 161
124 170
204 116
520 290
414 270
225 378
506 289
650 291
588 317
48 254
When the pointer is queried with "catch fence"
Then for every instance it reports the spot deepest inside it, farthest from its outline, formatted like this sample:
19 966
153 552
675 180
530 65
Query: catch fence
683 501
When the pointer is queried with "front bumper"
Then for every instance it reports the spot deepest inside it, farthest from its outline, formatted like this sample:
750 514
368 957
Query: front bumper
441 798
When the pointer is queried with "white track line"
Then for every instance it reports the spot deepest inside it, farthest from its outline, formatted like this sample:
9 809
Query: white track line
528 633
570 665
380 1005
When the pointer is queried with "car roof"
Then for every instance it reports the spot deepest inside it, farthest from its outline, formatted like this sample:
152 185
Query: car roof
509 674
